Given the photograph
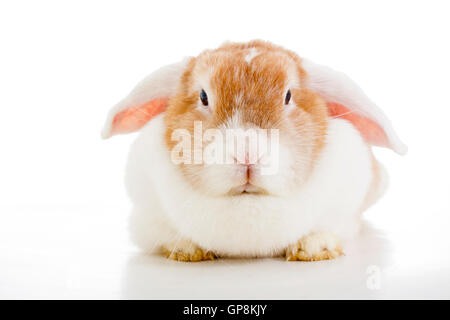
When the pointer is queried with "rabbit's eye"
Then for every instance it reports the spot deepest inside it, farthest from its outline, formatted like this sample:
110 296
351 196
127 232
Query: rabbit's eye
204 97
288 97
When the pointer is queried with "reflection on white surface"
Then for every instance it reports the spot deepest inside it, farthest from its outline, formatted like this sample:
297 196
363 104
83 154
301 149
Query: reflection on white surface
82 252
155 277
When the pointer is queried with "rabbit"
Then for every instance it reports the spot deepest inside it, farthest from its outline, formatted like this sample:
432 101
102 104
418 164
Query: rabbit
325 175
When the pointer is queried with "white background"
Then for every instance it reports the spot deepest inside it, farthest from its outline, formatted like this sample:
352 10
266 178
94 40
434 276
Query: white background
63 206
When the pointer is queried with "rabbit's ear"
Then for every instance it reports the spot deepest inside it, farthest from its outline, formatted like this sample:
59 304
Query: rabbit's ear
148 99
346 100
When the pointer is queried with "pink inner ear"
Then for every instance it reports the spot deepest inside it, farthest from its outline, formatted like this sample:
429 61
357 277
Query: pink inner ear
369 129
134 118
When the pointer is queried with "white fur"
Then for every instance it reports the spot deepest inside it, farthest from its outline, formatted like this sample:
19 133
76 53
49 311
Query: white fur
338 87
167 209
253 53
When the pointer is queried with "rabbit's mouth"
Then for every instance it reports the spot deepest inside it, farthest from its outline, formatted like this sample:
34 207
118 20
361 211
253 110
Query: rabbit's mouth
247 188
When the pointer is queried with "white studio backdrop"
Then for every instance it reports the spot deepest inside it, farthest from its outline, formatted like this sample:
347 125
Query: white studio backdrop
63 64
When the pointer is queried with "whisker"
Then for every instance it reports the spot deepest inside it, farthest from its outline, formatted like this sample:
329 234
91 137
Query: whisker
341 115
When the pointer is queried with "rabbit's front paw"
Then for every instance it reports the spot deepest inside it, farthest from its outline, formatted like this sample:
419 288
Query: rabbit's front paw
186 251
315 247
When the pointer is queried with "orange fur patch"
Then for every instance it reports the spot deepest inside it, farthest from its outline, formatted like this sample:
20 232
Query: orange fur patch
260 86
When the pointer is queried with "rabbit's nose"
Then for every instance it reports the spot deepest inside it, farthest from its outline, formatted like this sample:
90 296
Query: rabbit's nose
244 159
247 158
246 169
